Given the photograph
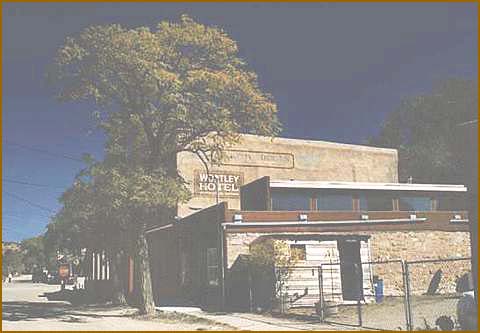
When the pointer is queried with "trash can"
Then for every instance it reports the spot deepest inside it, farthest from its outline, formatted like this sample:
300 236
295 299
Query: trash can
378 286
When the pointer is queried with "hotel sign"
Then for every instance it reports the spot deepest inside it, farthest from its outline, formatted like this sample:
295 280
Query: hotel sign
259 159
228 182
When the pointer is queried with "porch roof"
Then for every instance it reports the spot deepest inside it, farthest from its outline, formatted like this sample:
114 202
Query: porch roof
302 184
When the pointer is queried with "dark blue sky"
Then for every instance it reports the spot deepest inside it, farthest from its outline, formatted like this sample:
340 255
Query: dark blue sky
335 70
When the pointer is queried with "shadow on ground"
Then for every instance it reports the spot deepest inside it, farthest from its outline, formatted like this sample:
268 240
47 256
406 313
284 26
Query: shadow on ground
59 309
74 297
15 311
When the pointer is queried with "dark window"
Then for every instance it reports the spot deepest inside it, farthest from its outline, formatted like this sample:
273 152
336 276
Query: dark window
376 202
212 267
451 202
415 203
327 201
290 200
362 201
299 251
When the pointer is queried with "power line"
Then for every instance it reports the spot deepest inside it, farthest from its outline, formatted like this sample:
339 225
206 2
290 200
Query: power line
42 151
29 184
13 195
11 217
20 217
13 213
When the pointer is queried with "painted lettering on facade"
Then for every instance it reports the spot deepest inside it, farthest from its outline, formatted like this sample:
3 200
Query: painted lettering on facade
228 182
259 159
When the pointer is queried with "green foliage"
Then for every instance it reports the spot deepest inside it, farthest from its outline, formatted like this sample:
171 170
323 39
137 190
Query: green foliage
268 253
181 87
34 253
12 262
433 145
271 263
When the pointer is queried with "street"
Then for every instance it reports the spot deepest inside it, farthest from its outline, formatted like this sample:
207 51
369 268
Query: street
25 307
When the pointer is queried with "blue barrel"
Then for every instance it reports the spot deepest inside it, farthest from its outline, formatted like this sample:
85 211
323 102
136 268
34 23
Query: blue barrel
378 285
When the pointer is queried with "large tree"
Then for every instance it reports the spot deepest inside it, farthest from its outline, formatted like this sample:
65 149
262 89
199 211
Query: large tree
428 133
436 135
180 87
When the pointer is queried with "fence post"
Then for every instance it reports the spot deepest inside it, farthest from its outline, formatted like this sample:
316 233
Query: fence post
359 290
359 312
320 293
279 288
250 291
406 290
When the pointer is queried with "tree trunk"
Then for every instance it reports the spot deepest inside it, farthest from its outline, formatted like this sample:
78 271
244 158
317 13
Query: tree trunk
118 295
146 302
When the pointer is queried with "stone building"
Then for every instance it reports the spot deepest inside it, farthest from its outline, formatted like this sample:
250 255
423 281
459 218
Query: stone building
336 204
280 158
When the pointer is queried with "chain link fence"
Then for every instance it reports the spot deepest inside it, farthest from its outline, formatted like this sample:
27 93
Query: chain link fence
385 295
435 287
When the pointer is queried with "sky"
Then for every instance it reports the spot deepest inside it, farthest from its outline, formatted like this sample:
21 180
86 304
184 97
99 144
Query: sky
335 70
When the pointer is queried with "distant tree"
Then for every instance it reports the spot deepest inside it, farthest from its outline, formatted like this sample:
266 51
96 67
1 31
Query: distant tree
428 134
33 253
12 262
181 87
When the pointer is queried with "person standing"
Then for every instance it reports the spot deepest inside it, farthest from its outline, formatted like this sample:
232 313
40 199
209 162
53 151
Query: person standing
10 277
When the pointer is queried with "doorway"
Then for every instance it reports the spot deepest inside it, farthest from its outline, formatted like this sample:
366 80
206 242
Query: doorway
350 269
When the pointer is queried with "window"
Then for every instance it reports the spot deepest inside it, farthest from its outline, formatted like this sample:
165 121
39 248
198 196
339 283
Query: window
415 203
451 202
212 266
376 202
327 201
298 251
290 200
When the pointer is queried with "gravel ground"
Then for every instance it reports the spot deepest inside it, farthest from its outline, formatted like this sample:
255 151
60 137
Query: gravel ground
390 314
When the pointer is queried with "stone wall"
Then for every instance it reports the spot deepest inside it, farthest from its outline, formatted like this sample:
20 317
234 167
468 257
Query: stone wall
412 246
385 246
419 245
281 159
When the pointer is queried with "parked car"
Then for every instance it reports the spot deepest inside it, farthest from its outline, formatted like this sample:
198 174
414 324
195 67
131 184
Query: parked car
467 311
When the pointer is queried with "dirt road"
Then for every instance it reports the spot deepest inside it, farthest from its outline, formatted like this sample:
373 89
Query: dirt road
25 308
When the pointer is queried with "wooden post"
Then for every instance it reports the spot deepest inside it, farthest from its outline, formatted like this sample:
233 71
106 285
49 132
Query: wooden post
320 294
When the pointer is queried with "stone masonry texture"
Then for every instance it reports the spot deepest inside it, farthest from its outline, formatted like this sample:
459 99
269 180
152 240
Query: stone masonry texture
386 246
282 159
